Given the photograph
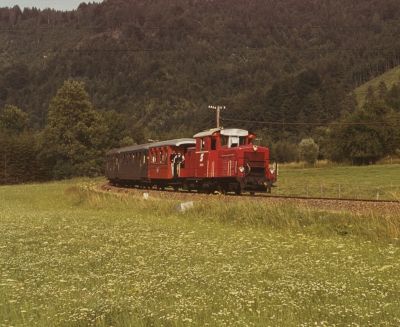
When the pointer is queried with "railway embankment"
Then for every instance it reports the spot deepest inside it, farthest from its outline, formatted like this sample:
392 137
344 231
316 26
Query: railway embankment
355 206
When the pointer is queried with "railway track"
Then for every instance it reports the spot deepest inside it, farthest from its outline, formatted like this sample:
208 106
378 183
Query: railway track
359 206
331 199
255 196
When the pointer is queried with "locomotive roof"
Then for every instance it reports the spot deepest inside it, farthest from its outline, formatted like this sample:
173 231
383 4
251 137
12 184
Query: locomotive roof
227 132
140 147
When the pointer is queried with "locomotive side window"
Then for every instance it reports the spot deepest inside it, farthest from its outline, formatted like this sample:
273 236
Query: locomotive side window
224 140
232 141
213 144
202 144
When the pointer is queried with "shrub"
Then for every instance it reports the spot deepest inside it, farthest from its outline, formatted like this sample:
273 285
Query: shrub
308 150
284 151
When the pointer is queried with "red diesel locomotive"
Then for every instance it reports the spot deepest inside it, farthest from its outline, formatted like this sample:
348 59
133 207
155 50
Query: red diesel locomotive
218 159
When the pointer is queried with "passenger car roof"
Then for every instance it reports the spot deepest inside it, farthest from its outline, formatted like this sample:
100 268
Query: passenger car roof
207 132
140 147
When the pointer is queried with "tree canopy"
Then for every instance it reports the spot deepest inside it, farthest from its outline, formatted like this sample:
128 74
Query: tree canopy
74 137
74 84
367 135
163 62
13 119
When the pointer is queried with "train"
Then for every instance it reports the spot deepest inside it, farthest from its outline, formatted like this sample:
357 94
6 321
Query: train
214 160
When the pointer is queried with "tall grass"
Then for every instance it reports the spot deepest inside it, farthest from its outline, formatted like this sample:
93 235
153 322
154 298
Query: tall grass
70 256
374 225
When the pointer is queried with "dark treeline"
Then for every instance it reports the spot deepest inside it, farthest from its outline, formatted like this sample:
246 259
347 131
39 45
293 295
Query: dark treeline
163 62
157 65
73 142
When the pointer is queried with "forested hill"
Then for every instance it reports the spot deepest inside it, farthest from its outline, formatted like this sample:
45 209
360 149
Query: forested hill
162 62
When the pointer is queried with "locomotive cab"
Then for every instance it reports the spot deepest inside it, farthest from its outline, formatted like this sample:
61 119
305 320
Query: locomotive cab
226 159
218 138
233 138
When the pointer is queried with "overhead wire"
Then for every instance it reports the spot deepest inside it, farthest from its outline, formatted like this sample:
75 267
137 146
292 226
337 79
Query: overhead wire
284 123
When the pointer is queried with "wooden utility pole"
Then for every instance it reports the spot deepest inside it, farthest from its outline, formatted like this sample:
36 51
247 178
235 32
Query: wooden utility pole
218 111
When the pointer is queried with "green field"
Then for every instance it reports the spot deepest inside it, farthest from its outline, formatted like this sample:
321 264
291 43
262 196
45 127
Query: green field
366 182
391 77
70 256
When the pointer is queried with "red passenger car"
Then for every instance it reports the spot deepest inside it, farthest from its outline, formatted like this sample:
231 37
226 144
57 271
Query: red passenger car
217 159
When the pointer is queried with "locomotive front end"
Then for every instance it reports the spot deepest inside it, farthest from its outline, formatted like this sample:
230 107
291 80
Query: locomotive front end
256 173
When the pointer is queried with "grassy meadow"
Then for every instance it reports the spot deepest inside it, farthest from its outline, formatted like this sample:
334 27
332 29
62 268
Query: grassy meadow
70 256
365 182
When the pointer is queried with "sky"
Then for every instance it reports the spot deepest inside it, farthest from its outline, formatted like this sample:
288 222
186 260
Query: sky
42 4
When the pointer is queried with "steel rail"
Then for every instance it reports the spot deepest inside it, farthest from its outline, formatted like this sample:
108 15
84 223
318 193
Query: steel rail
289 197
265 196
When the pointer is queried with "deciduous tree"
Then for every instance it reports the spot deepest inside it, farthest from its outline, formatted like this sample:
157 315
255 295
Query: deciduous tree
308 150
13 119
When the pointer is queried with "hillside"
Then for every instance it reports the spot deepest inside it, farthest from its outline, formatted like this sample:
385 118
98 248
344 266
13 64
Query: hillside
389 78
161 63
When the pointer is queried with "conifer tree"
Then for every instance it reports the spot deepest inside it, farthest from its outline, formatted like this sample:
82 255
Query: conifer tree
17 147
73 139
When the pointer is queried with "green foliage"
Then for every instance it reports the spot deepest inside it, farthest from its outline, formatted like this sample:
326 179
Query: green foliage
393 97
126 141
18 149
13 119
284 151
321 136
389 78
308 150
73 141
161 63
18 158
118 129
153 67
367 135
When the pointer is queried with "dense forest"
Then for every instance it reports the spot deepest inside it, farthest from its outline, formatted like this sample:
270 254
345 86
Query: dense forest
283 68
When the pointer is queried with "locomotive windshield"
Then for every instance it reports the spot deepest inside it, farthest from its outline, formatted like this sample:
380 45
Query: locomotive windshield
232 141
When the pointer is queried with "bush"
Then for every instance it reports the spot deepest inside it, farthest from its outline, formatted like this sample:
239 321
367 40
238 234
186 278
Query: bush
284 151
308 150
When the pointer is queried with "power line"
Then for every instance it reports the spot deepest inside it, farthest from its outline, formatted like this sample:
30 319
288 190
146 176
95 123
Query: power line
279 123
15 28
69 28
127 50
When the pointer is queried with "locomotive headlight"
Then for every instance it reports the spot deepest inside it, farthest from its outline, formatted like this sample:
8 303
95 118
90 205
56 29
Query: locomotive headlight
255 147
241 169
